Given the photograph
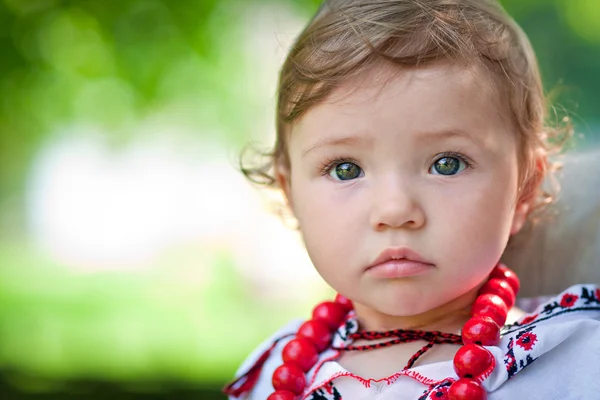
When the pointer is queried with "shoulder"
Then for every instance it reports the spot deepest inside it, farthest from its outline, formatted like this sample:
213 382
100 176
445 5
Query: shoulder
253 377
560 336
577 305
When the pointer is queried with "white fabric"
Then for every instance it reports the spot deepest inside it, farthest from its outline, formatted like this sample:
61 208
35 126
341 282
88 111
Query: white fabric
555 354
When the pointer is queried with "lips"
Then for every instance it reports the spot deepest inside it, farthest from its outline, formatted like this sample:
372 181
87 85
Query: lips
398 253
398 263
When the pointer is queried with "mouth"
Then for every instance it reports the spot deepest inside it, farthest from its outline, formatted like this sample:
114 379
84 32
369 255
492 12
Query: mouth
398 262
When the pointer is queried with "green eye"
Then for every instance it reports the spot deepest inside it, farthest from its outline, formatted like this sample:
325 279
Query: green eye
448 166
345 171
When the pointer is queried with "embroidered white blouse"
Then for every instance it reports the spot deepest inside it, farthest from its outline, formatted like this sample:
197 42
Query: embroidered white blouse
551 353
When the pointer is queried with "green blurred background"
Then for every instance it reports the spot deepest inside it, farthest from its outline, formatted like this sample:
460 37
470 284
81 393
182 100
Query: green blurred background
135 262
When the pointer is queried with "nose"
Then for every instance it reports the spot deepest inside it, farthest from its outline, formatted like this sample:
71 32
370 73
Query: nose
396 205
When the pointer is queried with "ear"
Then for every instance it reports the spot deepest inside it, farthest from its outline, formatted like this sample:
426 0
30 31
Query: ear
283 179
520 217
528 193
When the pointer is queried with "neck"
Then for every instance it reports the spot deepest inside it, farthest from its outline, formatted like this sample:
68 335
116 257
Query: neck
449 317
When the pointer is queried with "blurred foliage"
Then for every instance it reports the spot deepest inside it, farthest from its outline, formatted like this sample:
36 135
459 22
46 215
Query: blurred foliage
566 37
112 64
140 330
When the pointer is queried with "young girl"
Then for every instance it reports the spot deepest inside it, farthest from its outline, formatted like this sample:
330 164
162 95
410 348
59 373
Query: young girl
411 145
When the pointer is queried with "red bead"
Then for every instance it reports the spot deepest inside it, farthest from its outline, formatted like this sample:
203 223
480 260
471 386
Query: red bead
301 352
503 272
490 305
329 312
472 360
481 330
502 289
289 377
345 302
466 389
317 332
282 395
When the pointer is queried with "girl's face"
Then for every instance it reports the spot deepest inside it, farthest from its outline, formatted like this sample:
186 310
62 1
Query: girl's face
420 165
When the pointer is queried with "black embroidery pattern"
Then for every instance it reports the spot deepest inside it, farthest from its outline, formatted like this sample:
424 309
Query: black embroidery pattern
437 391
526 340
590 297
587 299
327 392
342 337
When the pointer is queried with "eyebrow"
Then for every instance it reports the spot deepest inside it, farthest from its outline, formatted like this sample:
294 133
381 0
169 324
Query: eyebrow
438 135
339 141
421 137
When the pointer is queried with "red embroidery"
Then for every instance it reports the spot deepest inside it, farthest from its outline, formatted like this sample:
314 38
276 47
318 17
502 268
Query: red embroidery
511 362
318 367
441 393
437 392
329 388
367 381
527 341
529 319
568 300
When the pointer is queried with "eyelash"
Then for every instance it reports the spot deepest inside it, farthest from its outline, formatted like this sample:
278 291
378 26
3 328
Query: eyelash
455 154
330 163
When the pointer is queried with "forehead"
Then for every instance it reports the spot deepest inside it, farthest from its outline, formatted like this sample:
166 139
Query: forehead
437 97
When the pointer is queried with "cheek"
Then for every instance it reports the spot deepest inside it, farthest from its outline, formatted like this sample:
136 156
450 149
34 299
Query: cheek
322 204
483 215
329 219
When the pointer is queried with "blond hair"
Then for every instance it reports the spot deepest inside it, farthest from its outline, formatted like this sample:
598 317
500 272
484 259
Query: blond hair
347 37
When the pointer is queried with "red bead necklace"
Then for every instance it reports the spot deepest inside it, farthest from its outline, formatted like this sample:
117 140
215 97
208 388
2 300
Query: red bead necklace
472 360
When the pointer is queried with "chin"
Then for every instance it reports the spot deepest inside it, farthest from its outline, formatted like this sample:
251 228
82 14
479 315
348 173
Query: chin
402 307
403 311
